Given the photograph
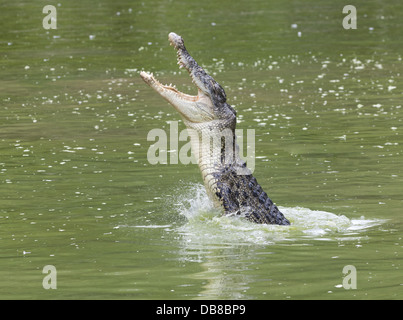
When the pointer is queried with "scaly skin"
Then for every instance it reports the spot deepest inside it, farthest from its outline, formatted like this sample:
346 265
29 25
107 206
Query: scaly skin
211 122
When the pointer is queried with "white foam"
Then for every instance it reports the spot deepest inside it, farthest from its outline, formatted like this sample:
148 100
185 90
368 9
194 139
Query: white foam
207 226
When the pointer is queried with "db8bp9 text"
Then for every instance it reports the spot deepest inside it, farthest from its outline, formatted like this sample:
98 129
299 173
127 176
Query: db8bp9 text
221 309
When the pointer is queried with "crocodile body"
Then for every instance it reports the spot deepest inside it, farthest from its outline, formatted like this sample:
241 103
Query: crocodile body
211 122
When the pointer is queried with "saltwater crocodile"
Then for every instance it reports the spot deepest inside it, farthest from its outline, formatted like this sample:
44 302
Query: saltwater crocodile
211 122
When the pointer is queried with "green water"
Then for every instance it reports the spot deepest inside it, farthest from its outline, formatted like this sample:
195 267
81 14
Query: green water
78 193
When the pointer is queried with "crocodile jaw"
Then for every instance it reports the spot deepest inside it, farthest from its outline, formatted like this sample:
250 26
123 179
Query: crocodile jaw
192 108
210 102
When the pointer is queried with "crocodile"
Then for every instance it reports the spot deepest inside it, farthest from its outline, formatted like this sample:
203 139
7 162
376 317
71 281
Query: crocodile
211 122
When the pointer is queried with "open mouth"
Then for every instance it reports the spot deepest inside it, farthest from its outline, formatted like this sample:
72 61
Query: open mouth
195 108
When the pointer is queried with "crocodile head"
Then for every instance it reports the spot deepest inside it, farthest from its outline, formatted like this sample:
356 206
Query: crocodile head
209 104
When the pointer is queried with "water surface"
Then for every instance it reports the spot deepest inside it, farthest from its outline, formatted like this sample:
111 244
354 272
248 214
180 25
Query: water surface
77 190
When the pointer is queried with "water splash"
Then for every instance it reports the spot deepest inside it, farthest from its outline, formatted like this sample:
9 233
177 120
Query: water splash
206 225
